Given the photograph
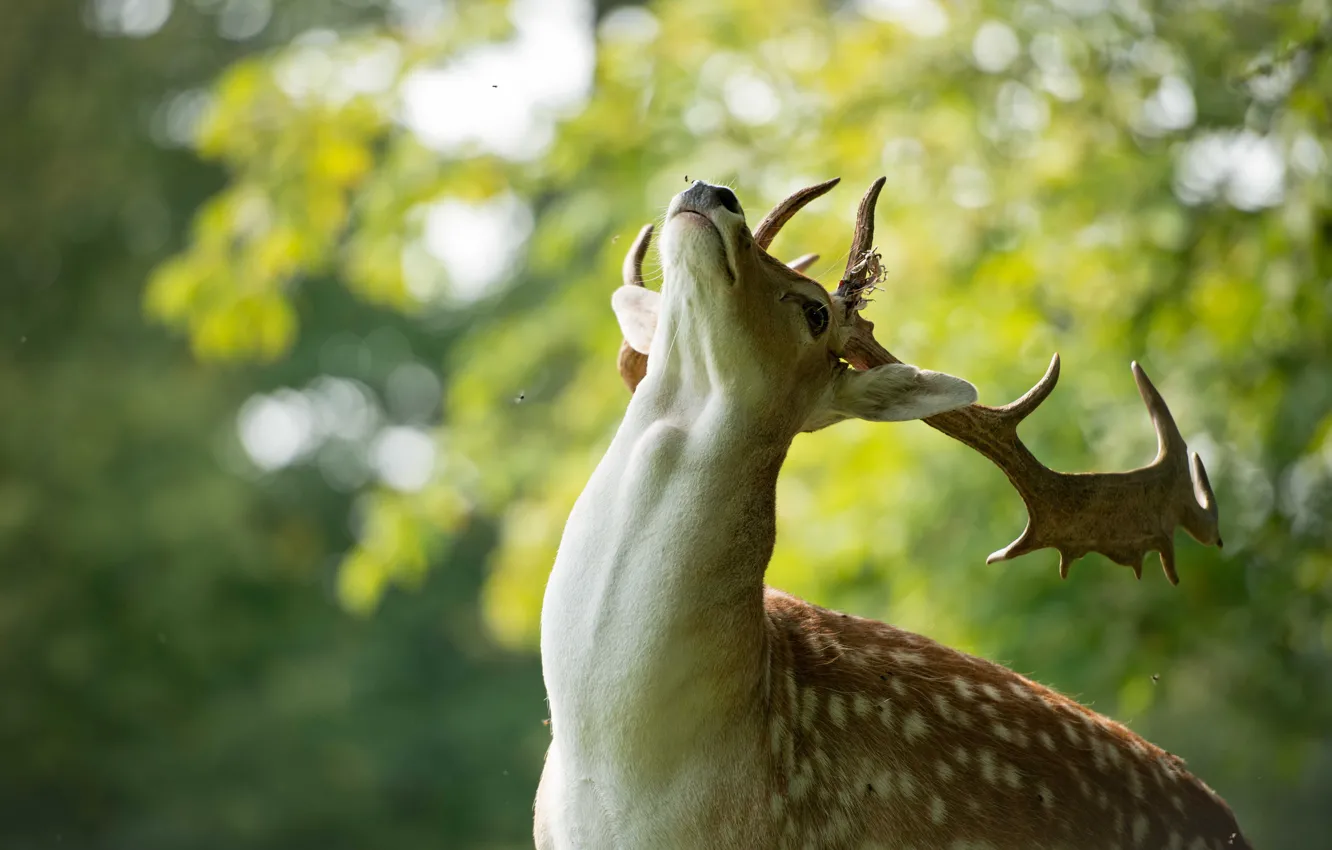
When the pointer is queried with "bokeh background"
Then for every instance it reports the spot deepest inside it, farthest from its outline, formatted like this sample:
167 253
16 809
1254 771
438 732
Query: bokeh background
306 349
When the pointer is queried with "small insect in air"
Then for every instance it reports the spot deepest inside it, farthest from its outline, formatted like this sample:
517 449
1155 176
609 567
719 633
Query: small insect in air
518 399
1156 677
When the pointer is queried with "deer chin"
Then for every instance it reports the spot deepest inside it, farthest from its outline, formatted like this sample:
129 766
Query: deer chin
692 242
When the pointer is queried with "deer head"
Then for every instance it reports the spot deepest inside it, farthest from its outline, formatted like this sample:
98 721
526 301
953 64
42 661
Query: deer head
756 329
792 349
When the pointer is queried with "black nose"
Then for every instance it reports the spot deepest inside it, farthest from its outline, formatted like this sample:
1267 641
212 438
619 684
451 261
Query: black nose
704 196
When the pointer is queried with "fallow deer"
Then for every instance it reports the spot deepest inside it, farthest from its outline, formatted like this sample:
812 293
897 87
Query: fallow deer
693 707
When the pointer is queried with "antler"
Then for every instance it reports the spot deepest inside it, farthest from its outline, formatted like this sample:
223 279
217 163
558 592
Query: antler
1122 515
767 229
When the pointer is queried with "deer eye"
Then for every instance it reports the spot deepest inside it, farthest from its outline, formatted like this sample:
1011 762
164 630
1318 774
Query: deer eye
816 315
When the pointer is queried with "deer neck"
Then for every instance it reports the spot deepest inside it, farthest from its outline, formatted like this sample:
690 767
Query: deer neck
655 605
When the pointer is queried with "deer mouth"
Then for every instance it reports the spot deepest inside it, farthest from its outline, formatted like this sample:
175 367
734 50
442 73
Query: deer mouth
698 219
698 235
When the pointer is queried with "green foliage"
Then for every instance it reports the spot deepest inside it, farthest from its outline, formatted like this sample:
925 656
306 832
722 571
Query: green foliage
175 668
1061 177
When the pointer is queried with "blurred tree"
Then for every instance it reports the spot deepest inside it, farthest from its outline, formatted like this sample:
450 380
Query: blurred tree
175 670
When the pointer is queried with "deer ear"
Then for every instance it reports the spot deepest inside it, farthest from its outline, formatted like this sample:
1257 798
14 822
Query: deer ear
891 393
636 307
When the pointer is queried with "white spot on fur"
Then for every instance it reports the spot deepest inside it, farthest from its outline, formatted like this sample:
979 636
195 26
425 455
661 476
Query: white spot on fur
987 768
1012 776
914 726
1159 775
1072 734
991 691
902 656
837 710
906 783
1046 796
1022 691
801 782
943 707
963 755
809 705
1001 732
1112 752
886 714
1083 785
1140 829
1098 754
964 688
824 762
898 687
861 705
944 769
1135 782
1046 740
937 809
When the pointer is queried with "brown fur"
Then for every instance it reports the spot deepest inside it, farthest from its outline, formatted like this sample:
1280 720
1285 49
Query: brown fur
878 733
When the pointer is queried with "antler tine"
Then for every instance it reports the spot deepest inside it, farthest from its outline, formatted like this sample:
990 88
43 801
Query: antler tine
863 239
862 265
1201 519
803 262
767 229
633 364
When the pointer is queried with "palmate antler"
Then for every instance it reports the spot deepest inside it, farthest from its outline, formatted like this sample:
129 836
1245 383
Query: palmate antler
1122 515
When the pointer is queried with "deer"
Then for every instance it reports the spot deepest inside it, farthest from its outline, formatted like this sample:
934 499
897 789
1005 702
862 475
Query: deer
691 706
